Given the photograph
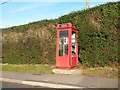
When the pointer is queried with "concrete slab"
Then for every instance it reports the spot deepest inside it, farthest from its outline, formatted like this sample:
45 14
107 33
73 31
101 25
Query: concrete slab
61 71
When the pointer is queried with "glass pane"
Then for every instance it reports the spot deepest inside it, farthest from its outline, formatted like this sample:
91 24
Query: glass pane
63 42
73 42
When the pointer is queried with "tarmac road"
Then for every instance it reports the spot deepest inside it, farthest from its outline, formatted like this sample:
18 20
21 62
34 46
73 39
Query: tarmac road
14 85
59 81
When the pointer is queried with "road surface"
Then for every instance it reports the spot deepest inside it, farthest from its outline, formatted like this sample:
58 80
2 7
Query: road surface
14 85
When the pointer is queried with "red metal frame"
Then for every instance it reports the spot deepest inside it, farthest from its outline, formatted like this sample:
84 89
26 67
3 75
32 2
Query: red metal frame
66 61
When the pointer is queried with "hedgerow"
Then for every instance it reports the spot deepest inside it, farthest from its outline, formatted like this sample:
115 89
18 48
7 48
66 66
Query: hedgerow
35 43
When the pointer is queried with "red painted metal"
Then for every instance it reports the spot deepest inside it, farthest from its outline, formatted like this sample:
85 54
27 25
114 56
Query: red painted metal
69 60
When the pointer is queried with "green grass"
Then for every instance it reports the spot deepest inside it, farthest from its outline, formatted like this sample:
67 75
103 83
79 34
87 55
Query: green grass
110 72
34 69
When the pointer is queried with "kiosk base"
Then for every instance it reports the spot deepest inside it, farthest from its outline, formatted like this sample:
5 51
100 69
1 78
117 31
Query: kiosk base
61 71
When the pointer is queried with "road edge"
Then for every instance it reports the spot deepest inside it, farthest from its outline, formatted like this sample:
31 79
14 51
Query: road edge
42 84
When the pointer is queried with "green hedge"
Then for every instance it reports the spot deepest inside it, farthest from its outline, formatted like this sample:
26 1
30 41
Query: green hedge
98 38
98 34
31 48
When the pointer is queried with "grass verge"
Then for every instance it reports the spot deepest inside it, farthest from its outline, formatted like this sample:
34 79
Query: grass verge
34 69
109 72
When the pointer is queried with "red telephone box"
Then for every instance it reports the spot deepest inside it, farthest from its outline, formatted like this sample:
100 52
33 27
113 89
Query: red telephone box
66 46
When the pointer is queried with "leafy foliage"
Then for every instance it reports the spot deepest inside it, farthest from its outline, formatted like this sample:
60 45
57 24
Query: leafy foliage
36 42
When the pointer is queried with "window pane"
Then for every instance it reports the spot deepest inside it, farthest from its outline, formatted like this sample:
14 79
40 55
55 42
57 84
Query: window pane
73 42
63 42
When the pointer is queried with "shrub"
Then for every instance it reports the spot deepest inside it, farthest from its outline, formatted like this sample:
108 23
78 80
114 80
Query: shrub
36 42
